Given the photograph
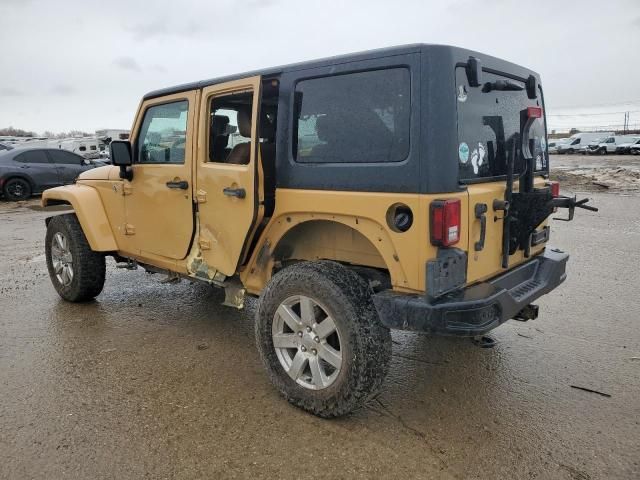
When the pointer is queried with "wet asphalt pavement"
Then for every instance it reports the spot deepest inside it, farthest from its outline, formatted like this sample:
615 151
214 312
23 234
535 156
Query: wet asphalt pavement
160 381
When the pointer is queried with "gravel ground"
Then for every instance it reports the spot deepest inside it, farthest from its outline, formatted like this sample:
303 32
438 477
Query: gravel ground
160 381
614 173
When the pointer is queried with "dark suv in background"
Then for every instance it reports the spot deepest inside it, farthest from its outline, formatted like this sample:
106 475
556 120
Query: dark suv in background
26 171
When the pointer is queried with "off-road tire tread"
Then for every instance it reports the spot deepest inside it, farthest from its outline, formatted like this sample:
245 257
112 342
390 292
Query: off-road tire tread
89 266
369 341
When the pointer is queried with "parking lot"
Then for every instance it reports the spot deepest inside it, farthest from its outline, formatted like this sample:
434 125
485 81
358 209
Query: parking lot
161 381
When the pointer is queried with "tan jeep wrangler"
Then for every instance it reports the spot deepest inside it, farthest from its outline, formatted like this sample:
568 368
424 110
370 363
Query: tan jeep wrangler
401 188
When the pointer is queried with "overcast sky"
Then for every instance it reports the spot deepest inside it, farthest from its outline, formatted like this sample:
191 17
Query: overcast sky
72 64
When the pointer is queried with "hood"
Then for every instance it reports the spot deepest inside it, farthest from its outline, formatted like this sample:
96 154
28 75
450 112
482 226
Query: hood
99 173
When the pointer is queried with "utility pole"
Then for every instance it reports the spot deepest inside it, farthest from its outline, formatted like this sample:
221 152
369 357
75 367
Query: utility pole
626 122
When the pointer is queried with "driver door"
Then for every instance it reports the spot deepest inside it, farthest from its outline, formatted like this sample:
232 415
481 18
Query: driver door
158 199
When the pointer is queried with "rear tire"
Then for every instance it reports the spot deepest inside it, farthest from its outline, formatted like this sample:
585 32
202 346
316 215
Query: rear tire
304 366
16 189
76 271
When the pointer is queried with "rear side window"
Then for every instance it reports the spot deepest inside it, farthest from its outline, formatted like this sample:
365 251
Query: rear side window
353 118
32 156
63 157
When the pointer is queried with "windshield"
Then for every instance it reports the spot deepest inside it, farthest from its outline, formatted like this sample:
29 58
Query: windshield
488 120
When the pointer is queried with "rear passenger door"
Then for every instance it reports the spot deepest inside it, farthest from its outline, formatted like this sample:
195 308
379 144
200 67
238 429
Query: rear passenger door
226 185
69 165
36 165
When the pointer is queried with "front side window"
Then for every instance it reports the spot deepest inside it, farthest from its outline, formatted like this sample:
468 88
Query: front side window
353 118
32 156
163 134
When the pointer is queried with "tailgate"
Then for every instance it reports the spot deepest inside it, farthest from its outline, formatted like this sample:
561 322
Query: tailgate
494 120
485 261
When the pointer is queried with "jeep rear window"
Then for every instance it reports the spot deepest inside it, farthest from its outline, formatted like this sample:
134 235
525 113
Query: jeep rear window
488 119
353 118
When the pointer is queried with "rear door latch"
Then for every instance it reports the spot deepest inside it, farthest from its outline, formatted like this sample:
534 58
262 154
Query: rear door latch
480 211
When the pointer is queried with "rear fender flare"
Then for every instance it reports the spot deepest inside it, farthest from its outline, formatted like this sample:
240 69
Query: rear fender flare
88 207
260 266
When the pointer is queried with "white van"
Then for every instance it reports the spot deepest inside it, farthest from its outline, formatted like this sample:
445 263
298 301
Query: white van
612 142
579 140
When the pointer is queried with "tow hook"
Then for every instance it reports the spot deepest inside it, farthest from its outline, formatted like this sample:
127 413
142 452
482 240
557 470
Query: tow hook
530 312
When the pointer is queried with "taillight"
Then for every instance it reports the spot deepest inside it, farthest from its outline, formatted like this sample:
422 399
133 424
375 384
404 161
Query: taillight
555 188
534 112
445 222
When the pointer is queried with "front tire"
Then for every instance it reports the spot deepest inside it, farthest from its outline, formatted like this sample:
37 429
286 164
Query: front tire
320 338
76 271
16 189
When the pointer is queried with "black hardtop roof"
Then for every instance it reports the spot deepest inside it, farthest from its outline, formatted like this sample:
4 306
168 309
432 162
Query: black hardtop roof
457 54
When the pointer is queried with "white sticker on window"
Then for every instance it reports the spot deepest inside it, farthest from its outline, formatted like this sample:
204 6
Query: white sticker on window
462 93
477 157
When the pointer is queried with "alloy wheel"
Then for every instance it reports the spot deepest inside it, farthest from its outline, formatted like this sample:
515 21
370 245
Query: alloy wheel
62 259
307 342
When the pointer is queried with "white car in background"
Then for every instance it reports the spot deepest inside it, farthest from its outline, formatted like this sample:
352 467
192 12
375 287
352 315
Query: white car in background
553 144
625 148
591 147
611 143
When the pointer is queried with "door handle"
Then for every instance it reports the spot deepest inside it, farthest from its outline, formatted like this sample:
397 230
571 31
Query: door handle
234 192
480 211
180 184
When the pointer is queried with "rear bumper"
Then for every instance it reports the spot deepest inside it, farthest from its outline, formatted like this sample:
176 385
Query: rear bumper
477 309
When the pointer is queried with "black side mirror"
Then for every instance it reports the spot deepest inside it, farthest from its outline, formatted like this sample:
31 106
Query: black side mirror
121 157
474 72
